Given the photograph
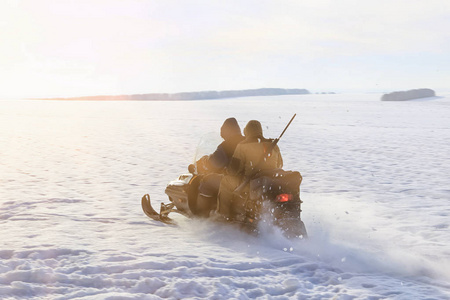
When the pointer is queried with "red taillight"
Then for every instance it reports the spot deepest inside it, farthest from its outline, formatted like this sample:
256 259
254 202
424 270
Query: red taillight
284 198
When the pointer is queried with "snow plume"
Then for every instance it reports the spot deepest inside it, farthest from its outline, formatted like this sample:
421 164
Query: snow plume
360 256
336 253
362 243
346 242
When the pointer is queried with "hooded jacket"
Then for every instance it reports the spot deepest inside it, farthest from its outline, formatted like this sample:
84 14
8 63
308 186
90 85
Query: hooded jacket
231 133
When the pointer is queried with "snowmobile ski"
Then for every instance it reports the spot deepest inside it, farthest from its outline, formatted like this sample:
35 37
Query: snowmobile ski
153 214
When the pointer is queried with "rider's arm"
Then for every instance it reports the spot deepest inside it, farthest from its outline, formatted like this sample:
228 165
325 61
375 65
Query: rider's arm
236 166
219 159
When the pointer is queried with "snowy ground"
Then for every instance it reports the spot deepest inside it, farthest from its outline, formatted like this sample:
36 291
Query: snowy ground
376 201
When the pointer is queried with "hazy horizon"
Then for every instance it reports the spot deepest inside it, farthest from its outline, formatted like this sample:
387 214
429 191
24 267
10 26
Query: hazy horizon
439 92
83 48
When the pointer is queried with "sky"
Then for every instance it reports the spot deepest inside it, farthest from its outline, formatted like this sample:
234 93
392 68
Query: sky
107 47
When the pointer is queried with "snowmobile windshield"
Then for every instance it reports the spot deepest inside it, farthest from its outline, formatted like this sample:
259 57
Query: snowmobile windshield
207 145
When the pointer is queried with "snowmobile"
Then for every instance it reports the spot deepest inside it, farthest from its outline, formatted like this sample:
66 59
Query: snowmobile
272 197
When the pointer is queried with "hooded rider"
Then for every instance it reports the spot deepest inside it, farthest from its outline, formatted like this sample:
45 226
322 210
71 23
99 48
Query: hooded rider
220 159
215 165
249 158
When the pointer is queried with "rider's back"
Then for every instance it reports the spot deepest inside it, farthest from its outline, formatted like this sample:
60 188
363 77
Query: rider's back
251 156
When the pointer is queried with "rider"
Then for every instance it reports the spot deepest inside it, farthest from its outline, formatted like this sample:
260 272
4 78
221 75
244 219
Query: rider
214 165
219 160
249 158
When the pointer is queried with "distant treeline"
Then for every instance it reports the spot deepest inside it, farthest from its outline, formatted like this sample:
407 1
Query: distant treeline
408 95
203 95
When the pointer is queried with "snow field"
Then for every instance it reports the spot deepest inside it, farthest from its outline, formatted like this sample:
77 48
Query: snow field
375 198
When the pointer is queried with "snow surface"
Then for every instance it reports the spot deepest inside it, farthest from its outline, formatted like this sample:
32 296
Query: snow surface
376 201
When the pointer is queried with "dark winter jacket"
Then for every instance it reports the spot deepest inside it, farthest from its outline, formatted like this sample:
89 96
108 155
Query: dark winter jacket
220 159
